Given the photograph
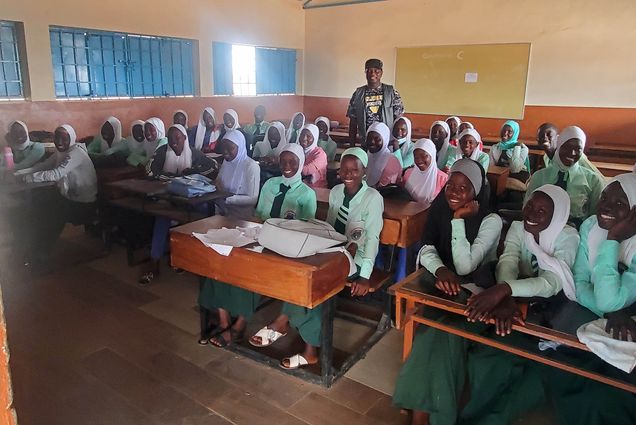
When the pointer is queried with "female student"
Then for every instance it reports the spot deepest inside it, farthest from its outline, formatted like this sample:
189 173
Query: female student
140 152
440 135
270 147
355 210
403 146
110 141
175 158
204 136
325 142
583 185
315 169
239 175
384 168
25 152
453 125
155 134
180 117
458 244
511 153
547 135
281 197
424 181
297 123
231 122
464 126
468 147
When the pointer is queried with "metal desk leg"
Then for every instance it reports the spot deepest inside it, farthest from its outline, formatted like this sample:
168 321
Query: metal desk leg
400 269
326 342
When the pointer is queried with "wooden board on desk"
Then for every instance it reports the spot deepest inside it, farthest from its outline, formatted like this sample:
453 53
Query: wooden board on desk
497 177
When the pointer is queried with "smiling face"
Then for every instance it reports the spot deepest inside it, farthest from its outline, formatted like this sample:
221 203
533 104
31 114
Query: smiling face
459 191
438 135
179 118
298 121
374 76
374 141
538 212
17 135
351 173
208 120
150 131
228 120
546 137
273 136
452 124
176 140
422 159
306 139
571 152
289 164
62 139
613 206
138 132
506 133
229 150
468 144
108 132
400 130
322 130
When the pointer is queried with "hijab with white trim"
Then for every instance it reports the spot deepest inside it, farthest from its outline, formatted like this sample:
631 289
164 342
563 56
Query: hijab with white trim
441 155
326 121
232 172
405 142
185 114
572 132
265 147
233 114
175 164
378 160
133 144
421 184
27 142
476 152
313 129
201 129
149 146
290 130
116 124
544 250
297 150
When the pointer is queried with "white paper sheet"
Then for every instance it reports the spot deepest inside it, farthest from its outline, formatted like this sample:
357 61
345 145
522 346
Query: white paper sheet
474 289
223 240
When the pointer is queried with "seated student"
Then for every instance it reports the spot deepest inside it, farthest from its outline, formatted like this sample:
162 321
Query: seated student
325 142
258 129
139 154
460 240
402 146
175 158
384 168
25 152
281 197
511 153
453 125
297 123
109 148
205 134
155 134
315 169
464 126
468 147
268 150
180 117
239 175
355 210
440 135
583 185
231 122
547 138
424 181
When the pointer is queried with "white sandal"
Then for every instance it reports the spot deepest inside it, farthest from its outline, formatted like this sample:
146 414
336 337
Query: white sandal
295 362
268 337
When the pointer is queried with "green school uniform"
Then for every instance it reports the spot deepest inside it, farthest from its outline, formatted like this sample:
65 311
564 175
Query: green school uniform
95 147
483 158
29 156
254 128
330 147
406 159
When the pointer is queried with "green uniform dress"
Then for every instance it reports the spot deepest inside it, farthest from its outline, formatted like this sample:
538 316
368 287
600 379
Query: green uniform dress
405 156
96 147
330 147
28 156
298 202
454 155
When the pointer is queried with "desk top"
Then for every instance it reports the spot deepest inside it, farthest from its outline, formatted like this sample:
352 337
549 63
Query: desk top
157 188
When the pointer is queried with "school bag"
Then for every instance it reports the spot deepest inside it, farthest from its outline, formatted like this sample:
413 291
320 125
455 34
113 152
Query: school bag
190 186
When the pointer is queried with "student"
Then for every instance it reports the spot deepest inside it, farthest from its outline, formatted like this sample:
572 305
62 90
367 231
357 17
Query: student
547 138
258 129
583 186
297 123
180 117
315 169
355 210
464 126
176 158
155 134
384 168
511 153
138 156
460 240
110 141
281 197
239 175
440 135
424 181
325 142
25 152
231 122
269 149
453 125
402 144
204 136
468 147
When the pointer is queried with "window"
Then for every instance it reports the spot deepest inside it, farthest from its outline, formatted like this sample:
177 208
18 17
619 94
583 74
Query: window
247 70
89 63
10 74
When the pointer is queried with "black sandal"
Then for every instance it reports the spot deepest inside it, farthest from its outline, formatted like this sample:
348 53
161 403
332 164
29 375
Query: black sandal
219 341
238 336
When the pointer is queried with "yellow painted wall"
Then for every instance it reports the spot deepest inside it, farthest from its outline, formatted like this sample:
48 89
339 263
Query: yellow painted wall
582 50
272 23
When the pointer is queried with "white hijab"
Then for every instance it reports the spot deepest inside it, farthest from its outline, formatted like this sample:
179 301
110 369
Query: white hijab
175 164
421 184
185 114
378 160
290 130
297 150
265 146
313 129
151 147
232 172
198 139
568 133
441 155
60 156
234 115
404 146
598 235
326 121
116 124
469 132
133 144
27 142
456 119
544 250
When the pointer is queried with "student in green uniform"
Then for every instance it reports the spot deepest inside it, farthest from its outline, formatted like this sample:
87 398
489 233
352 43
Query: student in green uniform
258 128
25 152
281 197
138 156
511 153
402 145
355 210
268 150
547 135
583 185
109 148
440 135
468 142
460 240
324 140
295 126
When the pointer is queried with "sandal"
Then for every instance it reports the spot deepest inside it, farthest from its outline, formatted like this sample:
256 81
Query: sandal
296 361
219 341
146 278
268 337
237 336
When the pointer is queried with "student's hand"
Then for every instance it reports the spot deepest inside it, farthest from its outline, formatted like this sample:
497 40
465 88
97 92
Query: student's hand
505 315
360 287
86 140
620 325
447 281
395 145
468 210
624 229
480 305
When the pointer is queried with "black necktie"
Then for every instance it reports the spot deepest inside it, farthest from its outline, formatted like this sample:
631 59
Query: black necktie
343 215
258 129
561 182
278 201
293 137
534 264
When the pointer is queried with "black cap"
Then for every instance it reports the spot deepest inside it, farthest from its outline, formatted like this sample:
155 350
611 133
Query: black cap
373 63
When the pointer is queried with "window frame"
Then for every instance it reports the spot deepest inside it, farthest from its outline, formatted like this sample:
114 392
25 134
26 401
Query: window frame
17 62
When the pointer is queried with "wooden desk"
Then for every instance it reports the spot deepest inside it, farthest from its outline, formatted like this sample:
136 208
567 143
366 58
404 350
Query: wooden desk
612 169
531 151
410 296
158 189
107 175
497 177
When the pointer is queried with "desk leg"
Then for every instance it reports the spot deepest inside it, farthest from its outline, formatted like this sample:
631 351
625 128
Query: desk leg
326 342
400 269
409 328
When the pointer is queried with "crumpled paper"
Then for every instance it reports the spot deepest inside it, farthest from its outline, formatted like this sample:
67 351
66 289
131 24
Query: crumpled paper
223 240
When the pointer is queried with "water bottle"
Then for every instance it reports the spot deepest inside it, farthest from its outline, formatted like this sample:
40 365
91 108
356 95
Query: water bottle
9 165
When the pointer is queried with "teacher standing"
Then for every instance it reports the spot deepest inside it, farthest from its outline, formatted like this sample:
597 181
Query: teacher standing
373 102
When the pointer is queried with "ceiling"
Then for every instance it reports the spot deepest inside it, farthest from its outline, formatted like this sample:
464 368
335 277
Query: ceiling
314 4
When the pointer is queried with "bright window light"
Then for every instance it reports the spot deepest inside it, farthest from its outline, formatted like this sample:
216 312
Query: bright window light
244 70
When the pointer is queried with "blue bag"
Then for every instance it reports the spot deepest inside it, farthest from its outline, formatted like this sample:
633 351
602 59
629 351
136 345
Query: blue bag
191 186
